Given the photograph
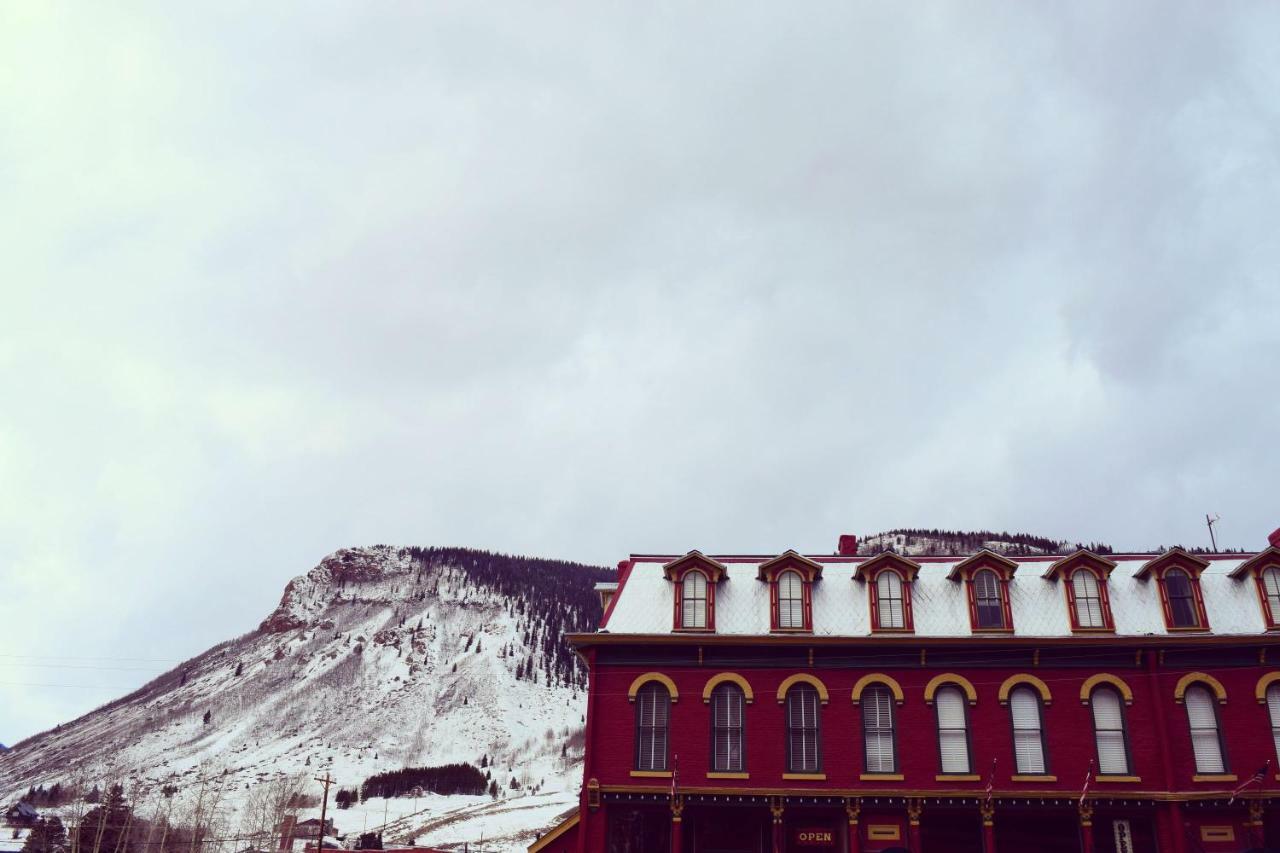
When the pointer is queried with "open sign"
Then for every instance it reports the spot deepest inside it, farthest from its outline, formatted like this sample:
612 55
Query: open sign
810 836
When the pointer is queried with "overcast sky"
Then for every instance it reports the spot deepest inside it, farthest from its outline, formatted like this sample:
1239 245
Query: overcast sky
584 279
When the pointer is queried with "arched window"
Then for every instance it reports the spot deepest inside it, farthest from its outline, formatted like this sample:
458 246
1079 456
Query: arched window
803 748
1273 709
1088 600
1206 739
693 601
988 605
877 730
1028 737
1182 602
889 600
1271 587
728 744
1108 732
953 734
790 600
653 716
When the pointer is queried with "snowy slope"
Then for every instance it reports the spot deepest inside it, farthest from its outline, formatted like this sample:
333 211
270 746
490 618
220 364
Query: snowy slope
377 659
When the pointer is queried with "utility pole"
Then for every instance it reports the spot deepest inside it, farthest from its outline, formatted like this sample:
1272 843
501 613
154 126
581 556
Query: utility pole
1210 521
324 805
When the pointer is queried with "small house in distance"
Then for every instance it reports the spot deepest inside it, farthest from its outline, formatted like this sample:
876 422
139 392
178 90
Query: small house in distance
21 815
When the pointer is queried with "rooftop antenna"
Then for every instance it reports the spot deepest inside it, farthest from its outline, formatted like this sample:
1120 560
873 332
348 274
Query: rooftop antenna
1210 521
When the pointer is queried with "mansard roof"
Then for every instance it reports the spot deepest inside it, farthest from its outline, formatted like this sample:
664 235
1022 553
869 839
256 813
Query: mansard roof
642 604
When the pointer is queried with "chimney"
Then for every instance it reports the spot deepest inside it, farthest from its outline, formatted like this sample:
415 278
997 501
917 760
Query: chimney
1274 538
848 546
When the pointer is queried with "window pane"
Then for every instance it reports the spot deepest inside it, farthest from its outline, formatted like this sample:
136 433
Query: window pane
1271 583
1273 707
727 702
1108 725
802 729
1204 731
1028 745
987 602
693 597
1181 603
877 726
1088 600
953 740
889 596
652 713
790 601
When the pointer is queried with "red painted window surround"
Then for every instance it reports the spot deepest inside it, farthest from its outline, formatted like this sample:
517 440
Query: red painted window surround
1265 571
997 567
791 564
676 571
870 573
1178 575
1098 569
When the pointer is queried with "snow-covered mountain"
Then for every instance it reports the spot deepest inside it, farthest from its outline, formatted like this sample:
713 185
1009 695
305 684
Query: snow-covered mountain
377 659
921 542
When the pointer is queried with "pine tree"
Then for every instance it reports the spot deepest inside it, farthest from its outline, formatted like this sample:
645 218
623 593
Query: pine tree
108 826
47 836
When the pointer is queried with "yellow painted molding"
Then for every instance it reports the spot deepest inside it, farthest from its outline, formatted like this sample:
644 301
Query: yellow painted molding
957 777
651 774
946 678
715 775
877 678
815 777
731 677
1263 683
1024 678
1215 777
1214 685
880 777
1101 778
802 678
1105 678
1032 777
642 680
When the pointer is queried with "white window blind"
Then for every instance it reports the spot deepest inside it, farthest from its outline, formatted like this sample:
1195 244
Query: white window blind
1271 583
1273 707
986 599
693 599
802 729
1088 600
1204 730
790 601
877 729
653 705
889 600
1108 727
953 739
1028 744
726 715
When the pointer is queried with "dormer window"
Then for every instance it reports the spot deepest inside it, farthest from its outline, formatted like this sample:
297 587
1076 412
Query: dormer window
693 600
1178 575
1084 575
694 577
790 600
1088 599
986 576
888 578
1265 570
890 608
791 578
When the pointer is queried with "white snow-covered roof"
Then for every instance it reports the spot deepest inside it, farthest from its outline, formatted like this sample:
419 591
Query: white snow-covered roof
643 604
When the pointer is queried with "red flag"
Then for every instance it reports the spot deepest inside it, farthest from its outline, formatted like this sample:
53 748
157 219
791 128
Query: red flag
1255 779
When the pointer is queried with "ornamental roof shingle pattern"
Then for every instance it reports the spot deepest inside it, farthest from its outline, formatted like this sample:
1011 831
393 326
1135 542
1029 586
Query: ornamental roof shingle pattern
644 604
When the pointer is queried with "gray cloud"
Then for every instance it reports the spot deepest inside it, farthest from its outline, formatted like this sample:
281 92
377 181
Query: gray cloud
583 279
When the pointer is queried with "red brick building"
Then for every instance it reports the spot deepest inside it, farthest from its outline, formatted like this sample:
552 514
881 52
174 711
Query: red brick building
790 704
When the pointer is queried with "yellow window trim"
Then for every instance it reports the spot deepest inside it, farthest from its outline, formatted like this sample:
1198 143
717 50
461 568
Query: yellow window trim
732 678
815 777
1214 685
1024 678
939 681
1032 777
651 774
1215 777
1105 678
880 777
718 775
802 678
642 680
1101 778
957 777
1263 683
877 678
